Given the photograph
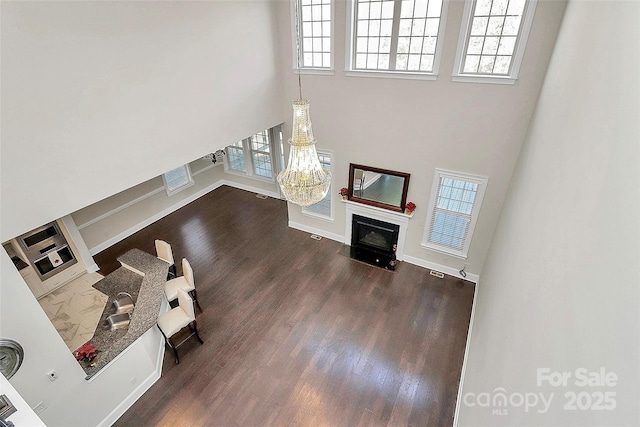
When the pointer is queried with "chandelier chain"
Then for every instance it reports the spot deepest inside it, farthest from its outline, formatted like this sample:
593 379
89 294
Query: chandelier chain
298 50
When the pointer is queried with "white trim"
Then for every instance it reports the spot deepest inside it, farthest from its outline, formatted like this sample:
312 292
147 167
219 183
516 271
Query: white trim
245 187
390 74
247 153
206 168
134 201
120 208
482 182
189 183
319 232
474 278
319 216
499 80
393 74
331 216
466 355
131 230
516 58
299 68
128 232
439 267
397 218
348 60
79 243
316 71
137 393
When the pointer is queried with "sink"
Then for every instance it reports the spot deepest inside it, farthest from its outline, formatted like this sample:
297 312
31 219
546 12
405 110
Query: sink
123 303
117 321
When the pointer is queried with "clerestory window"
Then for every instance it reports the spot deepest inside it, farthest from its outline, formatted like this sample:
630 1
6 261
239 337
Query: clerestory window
492 40
396 38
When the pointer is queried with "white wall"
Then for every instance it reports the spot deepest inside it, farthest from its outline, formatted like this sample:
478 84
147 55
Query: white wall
560 288
100 96
416 126
70 400
110 220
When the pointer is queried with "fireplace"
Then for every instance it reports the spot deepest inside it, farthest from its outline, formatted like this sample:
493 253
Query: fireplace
374 241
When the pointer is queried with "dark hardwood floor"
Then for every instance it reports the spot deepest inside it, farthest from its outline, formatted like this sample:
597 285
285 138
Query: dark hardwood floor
294 332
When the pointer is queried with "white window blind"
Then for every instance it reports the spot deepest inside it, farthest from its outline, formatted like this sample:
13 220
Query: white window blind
453 209
177 179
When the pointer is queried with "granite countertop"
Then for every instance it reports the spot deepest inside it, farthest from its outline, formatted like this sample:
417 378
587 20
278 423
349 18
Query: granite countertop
143 276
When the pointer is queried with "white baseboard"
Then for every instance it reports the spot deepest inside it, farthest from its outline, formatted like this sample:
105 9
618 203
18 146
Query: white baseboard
273 194
136 394
312 230
442 268
407 258
128 232
466 355
92 268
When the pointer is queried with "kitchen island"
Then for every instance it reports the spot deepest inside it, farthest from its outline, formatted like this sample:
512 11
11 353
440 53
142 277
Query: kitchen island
143 276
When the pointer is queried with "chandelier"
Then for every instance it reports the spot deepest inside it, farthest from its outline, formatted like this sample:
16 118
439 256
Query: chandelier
304 181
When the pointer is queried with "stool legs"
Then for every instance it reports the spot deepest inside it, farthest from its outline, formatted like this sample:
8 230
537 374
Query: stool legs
194 295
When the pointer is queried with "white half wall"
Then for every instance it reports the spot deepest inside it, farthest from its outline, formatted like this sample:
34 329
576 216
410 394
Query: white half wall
70 400
560 290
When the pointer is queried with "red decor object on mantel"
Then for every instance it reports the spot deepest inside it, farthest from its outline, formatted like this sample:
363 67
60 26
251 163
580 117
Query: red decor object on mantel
409 208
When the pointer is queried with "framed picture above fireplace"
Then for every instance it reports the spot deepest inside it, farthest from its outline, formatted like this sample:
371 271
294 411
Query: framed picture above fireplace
378 187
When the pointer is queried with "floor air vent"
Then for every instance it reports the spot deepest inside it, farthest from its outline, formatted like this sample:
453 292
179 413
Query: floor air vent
261 196
437 274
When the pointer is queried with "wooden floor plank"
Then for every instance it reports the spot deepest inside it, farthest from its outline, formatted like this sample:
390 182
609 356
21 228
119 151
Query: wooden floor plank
295 332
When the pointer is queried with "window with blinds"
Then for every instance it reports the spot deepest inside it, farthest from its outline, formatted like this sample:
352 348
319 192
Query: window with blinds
453 209
177 179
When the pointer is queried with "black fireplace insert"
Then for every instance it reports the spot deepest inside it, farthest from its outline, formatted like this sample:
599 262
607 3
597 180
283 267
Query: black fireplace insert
374 241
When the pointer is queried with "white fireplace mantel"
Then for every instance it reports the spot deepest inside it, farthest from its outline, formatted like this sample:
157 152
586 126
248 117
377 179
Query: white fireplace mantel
398 218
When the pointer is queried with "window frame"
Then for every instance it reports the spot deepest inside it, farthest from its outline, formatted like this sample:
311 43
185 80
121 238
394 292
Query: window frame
227 164
305 209
393 74
188 184
247 151
440 174
518 53
296 40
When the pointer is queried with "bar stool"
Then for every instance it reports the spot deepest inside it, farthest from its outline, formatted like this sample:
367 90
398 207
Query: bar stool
164 252
184 282
176 319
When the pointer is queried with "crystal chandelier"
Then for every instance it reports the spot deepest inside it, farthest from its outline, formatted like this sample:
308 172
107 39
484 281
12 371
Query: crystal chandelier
304 181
